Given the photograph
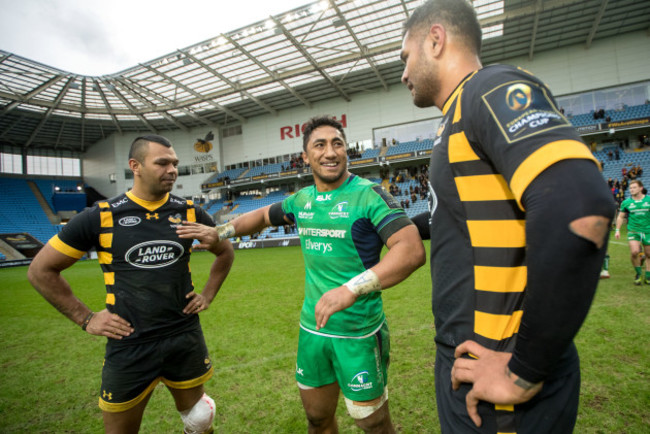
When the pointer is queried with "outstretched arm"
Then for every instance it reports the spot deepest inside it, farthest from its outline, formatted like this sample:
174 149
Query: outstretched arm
405 255
246 224
45 275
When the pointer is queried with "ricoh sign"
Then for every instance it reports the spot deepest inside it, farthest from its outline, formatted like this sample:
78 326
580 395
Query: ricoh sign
295 131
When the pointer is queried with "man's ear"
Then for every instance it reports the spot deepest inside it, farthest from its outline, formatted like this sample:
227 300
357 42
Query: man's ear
304 157
134 165
436 38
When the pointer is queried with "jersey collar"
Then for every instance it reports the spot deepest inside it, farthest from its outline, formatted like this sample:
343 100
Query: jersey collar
150 206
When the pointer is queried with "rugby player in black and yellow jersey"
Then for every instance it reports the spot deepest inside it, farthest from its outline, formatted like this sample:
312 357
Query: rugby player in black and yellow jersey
150 319
518 224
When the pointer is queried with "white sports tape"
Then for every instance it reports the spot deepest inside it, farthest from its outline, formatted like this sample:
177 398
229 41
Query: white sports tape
225 231
363 283
198 419
363 411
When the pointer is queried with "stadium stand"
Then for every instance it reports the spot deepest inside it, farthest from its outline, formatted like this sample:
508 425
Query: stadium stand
21 212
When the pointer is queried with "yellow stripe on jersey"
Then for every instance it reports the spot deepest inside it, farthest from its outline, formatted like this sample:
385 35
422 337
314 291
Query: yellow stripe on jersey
500 279
105 257
109 278
106 219
104 205
497 327
460 149
457 112
542 159
483 187
110 299
497 233
191 214
507 407
62 247
106 240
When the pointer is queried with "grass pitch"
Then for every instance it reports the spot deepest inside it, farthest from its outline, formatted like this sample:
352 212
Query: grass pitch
50 370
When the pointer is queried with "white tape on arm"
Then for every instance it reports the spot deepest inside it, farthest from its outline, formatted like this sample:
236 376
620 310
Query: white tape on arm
364 283
225 231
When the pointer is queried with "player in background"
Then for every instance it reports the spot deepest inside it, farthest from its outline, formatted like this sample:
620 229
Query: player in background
151 316
635 211
518 223
343 221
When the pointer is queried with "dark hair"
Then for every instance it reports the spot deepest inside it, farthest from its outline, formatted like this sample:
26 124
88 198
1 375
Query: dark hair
140 144
316 122
637 181
459 16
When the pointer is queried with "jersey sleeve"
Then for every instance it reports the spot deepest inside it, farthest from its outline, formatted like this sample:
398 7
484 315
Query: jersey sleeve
203 217
385 213
518 127
288 206
79 235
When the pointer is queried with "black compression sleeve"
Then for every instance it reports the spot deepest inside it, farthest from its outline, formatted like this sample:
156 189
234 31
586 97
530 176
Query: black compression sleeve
563 268
421 221
276 215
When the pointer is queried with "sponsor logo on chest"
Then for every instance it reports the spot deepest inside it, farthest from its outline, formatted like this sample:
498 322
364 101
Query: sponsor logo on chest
154 254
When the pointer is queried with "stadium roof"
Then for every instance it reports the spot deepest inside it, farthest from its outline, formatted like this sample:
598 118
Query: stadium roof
323 50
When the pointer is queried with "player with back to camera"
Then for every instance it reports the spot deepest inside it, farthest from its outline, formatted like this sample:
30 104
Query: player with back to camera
151 316
343 221
635 211
518 222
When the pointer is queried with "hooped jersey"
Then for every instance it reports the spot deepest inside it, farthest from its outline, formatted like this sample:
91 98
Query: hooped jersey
638 214
145 264
342 233
500 129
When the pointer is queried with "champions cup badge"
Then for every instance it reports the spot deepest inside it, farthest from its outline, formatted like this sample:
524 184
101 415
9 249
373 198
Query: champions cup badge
519 97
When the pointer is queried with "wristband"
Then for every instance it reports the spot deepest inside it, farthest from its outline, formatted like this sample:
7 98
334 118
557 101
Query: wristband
225 231
87 320
364 283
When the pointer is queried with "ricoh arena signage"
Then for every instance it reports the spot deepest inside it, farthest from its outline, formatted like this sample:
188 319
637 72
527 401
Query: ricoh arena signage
295 131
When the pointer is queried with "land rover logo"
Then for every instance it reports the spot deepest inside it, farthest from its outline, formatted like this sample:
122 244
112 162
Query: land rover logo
154 254
129 221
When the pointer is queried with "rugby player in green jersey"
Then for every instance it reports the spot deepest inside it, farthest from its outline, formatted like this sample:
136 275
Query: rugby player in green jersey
635 210
343 222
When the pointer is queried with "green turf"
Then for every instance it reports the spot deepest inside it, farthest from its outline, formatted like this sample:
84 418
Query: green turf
50 369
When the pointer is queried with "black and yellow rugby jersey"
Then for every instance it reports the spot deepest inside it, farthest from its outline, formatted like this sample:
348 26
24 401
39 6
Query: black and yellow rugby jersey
145 264
500 129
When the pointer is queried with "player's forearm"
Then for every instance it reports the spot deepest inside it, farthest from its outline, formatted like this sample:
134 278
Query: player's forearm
563 260
56 290
219 270
404 256
251 222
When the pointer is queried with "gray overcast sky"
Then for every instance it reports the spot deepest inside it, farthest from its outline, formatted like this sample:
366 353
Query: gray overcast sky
97 37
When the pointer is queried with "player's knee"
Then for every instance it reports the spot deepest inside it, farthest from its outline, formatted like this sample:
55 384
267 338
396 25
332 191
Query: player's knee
369 414
198 419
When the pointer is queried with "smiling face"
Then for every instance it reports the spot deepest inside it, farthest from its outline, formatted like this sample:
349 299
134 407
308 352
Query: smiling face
155 176
326 153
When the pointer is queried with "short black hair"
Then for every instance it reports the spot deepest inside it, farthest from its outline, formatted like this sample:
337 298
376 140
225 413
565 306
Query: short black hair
140 144
320 121
458 15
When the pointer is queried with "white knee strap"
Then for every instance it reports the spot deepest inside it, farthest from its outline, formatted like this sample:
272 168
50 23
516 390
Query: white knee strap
363 411
198 419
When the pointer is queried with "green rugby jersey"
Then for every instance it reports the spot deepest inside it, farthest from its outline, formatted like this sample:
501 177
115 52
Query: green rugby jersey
342 233
638 214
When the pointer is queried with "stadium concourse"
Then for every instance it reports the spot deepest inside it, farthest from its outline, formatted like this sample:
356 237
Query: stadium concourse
233 106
